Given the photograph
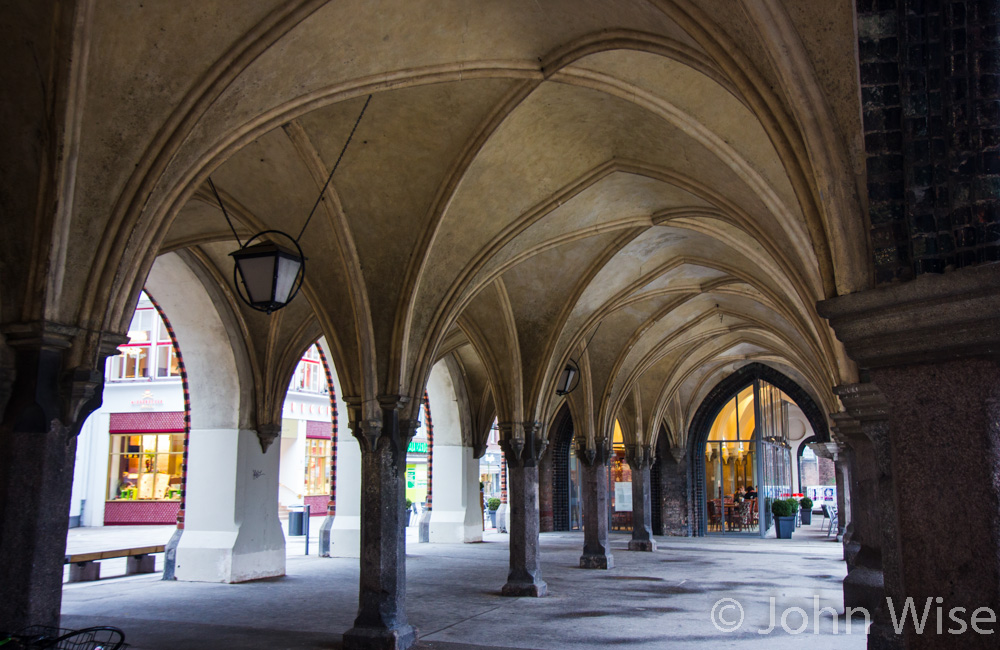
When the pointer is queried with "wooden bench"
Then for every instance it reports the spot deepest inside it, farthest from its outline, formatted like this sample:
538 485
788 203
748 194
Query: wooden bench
84 567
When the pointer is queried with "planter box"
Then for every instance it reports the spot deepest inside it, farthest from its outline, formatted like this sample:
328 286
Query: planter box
784 527
493 518
807 516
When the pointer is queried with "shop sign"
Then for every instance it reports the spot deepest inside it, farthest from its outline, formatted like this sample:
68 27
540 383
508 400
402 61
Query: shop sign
147 401
417 448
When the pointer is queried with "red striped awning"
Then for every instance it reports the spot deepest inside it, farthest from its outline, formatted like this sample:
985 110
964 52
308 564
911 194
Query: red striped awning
160 422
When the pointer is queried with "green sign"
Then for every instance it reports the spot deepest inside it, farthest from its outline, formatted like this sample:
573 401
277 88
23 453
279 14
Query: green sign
417 448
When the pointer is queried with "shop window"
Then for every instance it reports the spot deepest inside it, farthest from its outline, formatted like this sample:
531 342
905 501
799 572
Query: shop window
317 466
145 467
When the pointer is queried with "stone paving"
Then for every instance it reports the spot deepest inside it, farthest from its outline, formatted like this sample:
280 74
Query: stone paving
663 599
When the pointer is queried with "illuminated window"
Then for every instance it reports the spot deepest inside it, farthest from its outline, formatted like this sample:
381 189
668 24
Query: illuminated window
317 466
145 467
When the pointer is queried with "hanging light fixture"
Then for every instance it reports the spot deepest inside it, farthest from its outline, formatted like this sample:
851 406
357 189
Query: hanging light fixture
269 274
569 379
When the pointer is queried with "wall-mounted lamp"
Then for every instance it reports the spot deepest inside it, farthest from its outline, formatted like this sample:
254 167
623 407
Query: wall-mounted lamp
569 378
268 275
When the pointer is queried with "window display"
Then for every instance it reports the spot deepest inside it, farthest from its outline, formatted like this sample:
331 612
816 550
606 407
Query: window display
145 467
317 466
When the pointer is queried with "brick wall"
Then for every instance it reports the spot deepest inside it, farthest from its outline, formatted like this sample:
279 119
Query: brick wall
930 84
673 496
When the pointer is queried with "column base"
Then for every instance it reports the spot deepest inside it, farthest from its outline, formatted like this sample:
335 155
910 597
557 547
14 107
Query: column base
324 536
379 638
602 561
864 587
537 589
881 636
424 527
642 545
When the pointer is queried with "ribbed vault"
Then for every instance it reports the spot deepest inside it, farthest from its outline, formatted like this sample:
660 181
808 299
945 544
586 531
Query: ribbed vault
656 181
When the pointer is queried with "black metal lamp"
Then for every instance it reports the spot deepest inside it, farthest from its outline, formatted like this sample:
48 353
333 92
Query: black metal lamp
270 273
569 379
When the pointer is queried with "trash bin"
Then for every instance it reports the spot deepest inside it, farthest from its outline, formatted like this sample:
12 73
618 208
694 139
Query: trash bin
296 521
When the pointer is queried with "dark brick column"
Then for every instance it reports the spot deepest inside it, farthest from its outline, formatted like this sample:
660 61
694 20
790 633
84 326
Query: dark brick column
931 348
381 621
594 467
522 451
931 99
639 459
546 515
46 404
674 492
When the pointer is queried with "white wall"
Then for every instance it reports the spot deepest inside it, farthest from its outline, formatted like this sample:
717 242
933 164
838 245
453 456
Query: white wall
456 478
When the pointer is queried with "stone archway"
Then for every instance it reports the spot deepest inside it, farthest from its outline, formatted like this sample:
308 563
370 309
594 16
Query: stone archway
709 409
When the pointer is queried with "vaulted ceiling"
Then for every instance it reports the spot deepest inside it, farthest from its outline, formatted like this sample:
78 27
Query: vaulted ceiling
659 189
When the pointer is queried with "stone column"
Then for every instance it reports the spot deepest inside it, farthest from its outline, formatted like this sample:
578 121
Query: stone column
594 467
503 516
345 528
381 621
231 527
931 349
522 451
674 491
870 543
639 459
46 402
843 470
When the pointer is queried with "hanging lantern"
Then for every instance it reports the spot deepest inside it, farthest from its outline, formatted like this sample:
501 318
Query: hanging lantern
569 379
270 274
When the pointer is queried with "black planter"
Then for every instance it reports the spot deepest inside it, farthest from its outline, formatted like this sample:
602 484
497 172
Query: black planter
784 526
807 516
408 513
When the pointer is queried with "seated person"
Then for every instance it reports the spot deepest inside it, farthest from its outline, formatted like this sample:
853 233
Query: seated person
751 493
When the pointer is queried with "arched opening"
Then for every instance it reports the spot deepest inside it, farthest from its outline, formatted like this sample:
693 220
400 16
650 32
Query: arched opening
567 511
130 466
740 452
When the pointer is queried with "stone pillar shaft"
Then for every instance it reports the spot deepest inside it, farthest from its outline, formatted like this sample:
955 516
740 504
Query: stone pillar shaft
44 405
381 621
640 459
522 454
944 441
594 468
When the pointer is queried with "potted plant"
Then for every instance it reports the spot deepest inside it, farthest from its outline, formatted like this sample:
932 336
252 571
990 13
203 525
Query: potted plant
409 511
806 509
784 516
493 504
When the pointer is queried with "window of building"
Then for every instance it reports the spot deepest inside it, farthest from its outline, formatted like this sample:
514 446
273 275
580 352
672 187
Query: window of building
149 355
309 375
145 467
317 466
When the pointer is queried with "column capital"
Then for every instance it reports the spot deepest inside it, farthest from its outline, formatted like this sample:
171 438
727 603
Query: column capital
638 457
930 319
523 443
863 402
367 432
268 433
597 454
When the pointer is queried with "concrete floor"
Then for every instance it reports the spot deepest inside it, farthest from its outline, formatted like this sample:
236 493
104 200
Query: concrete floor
649 600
